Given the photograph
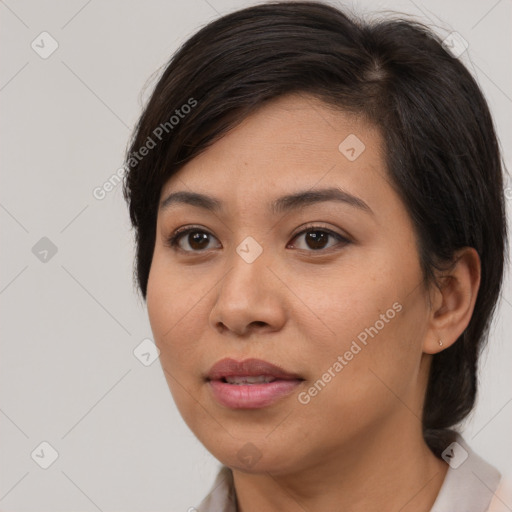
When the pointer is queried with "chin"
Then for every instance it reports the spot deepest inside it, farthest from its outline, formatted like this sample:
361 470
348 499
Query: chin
251 454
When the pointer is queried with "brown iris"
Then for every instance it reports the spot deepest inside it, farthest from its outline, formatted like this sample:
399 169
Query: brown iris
316 239
198 240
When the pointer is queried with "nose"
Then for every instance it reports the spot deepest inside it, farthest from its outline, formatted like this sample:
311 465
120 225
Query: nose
250 298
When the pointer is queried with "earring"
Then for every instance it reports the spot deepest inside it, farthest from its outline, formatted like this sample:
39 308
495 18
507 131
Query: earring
440 343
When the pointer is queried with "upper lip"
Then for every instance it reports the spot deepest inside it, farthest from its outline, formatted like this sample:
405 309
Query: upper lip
247 368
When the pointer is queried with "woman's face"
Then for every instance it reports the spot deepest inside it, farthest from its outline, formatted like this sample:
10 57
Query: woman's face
326 286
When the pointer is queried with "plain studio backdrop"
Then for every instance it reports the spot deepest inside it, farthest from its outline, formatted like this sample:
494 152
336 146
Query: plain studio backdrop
76 393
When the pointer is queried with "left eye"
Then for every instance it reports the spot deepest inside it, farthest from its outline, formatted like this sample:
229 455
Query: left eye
316 238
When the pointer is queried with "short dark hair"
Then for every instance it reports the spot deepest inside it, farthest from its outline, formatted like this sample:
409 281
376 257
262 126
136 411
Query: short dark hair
442 153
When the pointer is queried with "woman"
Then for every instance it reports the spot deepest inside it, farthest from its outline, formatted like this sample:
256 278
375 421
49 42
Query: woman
320 227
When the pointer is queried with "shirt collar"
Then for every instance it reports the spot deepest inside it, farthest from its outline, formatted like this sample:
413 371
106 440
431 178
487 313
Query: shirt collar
470 481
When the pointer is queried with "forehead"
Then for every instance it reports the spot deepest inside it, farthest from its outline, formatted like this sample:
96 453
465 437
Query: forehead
292 143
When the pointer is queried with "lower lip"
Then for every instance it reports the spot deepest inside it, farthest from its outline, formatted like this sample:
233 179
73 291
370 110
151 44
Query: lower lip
251 396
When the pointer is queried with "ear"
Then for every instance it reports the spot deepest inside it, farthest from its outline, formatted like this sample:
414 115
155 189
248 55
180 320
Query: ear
454 301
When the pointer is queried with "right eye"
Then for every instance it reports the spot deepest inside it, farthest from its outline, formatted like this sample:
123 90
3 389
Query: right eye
197 239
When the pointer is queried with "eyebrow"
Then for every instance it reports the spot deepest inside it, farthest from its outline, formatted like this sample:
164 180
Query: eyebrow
281 205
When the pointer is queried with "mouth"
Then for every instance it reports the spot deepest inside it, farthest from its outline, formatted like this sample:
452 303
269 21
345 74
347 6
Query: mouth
250 384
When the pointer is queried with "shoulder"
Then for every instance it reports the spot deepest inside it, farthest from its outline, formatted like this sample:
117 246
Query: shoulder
502 497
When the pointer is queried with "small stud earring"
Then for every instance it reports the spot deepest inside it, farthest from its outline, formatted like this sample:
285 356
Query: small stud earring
440 343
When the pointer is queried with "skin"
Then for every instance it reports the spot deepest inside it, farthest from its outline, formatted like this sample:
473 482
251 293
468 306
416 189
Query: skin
357 445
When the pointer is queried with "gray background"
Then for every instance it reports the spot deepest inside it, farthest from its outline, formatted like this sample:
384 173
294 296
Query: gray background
70 324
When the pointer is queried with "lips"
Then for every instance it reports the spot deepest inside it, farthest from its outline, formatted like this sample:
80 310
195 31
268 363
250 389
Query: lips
229 369
250 384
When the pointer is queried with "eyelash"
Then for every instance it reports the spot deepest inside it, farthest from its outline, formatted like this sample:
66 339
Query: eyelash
174 239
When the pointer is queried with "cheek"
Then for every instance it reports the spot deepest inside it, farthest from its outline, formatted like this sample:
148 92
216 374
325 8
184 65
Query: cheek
361 380
367 330
343 302
172 303
174 296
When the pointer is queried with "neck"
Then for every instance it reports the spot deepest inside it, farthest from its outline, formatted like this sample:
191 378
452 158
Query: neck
386 470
